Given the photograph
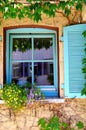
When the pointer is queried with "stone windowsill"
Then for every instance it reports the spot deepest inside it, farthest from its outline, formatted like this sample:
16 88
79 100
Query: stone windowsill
50 100
55 100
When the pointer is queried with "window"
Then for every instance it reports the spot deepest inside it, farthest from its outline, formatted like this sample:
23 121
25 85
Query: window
32 57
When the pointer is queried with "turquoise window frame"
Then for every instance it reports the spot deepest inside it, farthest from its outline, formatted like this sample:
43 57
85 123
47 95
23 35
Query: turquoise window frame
13 33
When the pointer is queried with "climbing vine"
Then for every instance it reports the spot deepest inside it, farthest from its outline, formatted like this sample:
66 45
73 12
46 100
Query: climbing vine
83 92
33 9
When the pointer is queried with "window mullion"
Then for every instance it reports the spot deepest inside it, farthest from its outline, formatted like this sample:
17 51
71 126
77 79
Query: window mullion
55 62
32 60
11 47
7 58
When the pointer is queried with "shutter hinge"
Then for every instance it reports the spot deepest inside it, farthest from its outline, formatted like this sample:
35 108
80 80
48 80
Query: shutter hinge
0 38
62 85
62 38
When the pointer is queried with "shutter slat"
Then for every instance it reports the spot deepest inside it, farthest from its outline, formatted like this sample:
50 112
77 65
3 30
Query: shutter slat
75 63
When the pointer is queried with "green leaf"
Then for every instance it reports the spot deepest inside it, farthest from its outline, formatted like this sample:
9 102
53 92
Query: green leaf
37 16
29 1
42 122
54 123
64 125
61 5
83 91
85 50
80 125
85 2
84 33
83 60
79 6
84 69
67 11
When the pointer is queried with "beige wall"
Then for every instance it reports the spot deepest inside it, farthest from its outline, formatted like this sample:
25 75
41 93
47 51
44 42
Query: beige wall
58 21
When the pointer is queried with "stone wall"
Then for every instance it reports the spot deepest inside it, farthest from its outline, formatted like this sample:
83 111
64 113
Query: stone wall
71 111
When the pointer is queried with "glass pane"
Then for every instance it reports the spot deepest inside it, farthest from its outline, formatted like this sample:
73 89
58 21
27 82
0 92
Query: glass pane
43 73
22 72
22 49
43 49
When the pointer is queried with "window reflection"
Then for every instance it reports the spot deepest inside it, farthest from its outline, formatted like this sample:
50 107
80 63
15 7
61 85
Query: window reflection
43 73
22 49
22 72
43 49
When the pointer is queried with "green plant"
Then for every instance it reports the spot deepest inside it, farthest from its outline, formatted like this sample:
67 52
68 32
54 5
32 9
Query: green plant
1 91
80 125
83 92
15 80
14 96
33 9
33 93
54 123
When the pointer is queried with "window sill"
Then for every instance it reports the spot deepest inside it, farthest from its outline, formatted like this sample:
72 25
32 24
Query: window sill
48 100
54 100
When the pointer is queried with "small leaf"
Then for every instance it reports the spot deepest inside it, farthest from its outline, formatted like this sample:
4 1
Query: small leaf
79 6
85 50
65 125
83 60
85 2
83 91
84 69
80 125
67 11
84 33
42 122
61 5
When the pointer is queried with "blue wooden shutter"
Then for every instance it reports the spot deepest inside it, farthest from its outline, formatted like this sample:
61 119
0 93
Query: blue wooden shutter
73 54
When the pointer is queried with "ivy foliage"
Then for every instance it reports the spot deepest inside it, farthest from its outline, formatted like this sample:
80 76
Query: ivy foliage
33 9
83 92
54 123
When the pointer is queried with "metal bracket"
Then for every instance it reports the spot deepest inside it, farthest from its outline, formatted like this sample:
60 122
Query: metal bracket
62 38
0 38
62 85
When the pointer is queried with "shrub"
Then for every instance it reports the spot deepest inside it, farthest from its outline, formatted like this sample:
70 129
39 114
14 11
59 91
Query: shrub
14 96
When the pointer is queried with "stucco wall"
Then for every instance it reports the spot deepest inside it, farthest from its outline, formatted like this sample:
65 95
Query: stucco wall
71 111
58 21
